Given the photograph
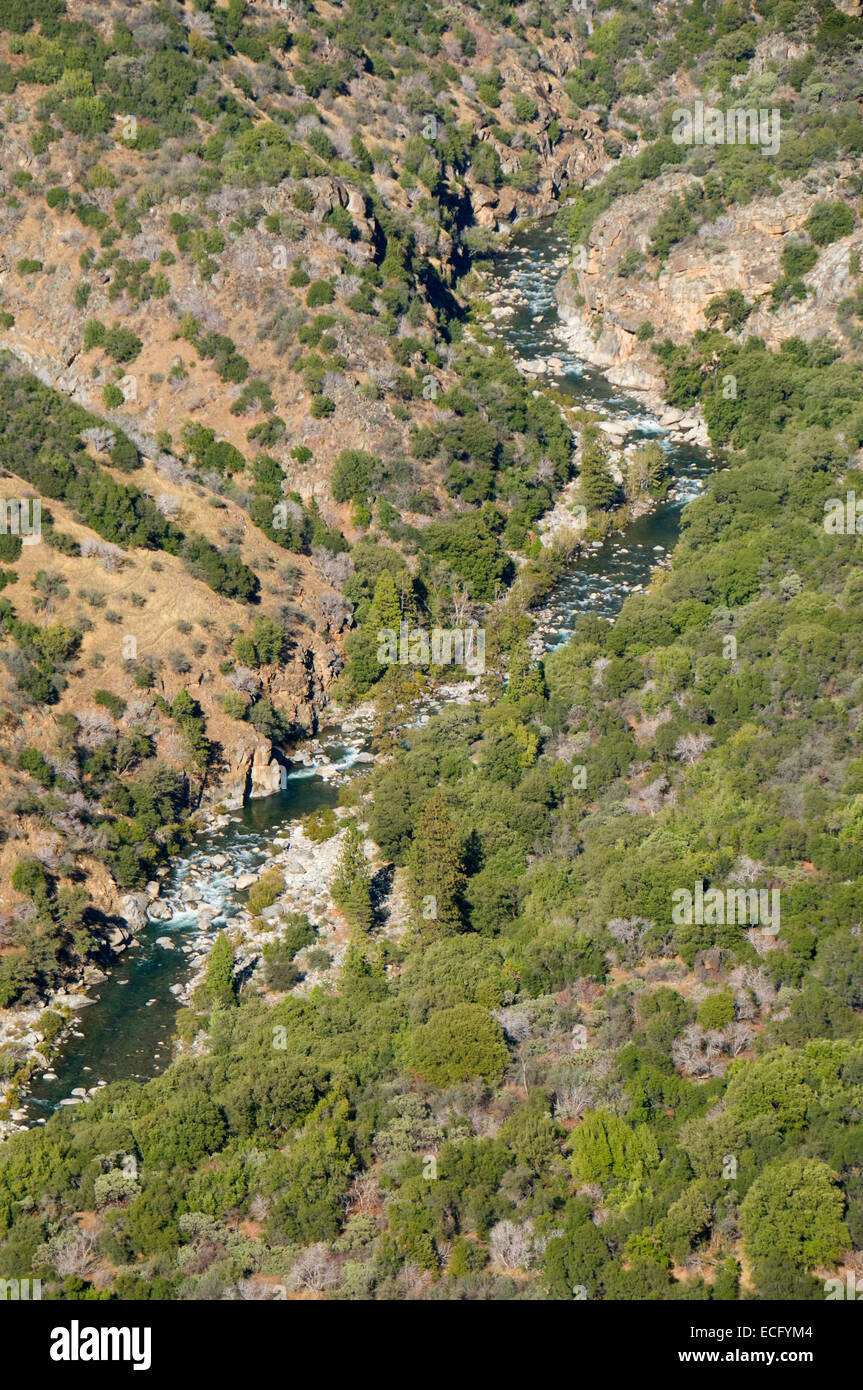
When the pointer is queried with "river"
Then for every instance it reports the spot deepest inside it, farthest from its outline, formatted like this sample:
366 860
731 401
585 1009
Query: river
127 1033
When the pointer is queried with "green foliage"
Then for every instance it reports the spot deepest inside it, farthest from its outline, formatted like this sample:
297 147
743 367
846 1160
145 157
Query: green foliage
458 1044
540 831
30 878
319 292
50 454
32 761
115 704
525 107
827 222
51 1025
604 1147
264 893
576 1258
267 644
210 453
321 824
716 1011
673 224
437 878
469 546
730 307
598 487
352 473
351 887
188 1129
219 985
793 1210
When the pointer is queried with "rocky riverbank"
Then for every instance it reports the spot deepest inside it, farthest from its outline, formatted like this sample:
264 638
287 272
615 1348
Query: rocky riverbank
206 891
307 867
550 293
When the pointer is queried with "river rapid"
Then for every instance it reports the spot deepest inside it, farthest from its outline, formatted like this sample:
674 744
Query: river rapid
126 1032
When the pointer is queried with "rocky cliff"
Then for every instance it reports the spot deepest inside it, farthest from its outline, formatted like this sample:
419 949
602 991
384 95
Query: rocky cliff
603 303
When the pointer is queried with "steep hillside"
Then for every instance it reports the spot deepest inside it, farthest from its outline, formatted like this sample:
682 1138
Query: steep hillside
573 1005
232 237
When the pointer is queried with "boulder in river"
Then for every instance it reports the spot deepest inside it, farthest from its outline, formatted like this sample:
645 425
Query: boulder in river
71 1001
118 936
133 907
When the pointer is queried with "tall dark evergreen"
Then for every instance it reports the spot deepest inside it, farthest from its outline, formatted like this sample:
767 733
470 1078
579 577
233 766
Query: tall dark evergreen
351 887
437 877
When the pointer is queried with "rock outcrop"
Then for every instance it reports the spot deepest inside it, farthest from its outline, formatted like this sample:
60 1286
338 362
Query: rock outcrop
603 308
266 772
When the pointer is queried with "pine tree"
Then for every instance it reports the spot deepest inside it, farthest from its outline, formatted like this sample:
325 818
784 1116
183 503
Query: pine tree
598 487
385 613
219 984
437 876
352 888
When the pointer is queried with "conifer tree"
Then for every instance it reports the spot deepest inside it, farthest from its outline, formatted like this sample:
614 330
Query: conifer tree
598 487
352 889
385 612
437 875
219 985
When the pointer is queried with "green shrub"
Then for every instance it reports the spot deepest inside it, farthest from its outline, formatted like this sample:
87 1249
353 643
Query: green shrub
827 222
236 706
716 1011
265 892
321 824
32 761
319 292
94 334
525 107
51 1025
458 1044
115 704
122 344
